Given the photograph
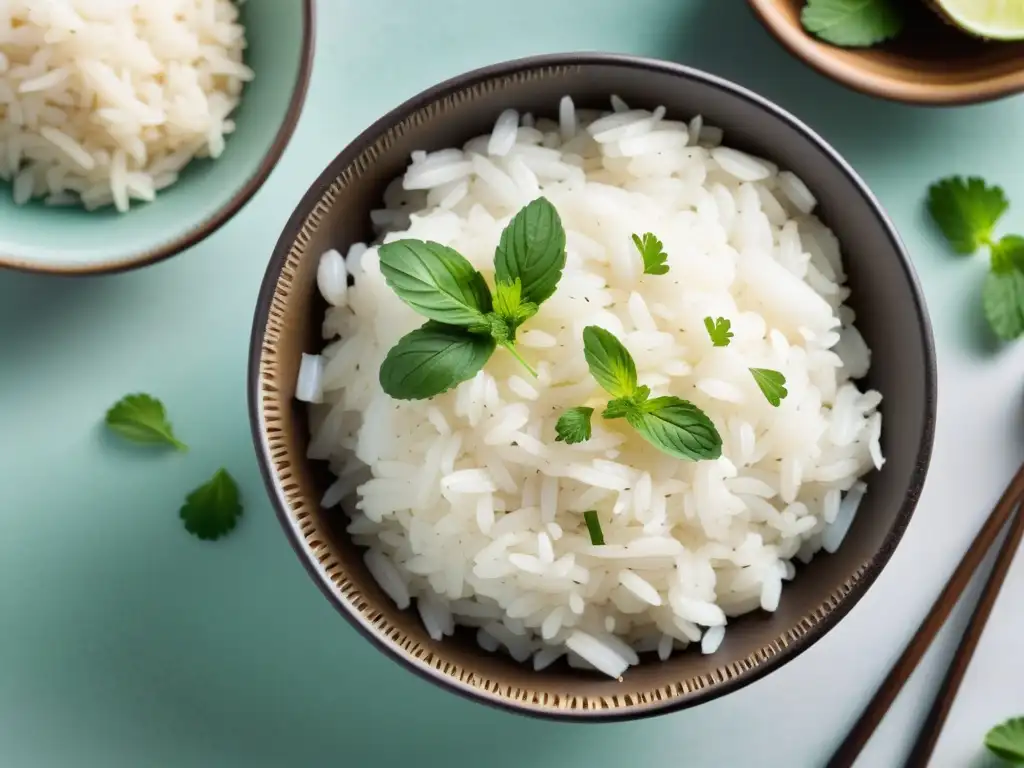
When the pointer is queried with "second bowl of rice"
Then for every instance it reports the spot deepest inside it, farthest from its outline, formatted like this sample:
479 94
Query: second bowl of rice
611 574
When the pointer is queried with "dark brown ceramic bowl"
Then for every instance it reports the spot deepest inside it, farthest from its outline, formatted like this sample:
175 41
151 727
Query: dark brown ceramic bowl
335 213
930 62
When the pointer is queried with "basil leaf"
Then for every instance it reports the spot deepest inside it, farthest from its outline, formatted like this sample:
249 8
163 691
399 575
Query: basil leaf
610 363
532 248
436 281
676 427
1003 299
433 359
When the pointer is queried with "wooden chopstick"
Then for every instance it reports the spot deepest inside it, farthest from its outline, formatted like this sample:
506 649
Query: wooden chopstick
865 726
929 734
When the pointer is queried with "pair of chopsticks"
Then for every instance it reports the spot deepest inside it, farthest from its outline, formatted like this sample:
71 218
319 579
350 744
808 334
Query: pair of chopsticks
1005 510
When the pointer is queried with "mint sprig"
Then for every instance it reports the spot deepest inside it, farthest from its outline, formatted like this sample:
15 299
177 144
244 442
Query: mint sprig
466 323
672 425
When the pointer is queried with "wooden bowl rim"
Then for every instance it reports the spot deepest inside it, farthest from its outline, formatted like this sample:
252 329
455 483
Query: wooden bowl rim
821 57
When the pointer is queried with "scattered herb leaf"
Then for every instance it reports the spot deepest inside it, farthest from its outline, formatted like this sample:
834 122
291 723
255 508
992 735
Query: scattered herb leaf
594 527
966 211
1007 254
436 281
433 359
574 425
772 384
852 23
212 509
610 363
1003 301
676 427
142 419
1006 740
719 331
653 253
532 248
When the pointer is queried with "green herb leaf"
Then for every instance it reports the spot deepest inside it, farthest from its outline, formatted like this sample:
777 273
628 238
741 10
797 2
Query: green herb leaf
433 359
719 331
1007 740
1003 299
532 248
966 211
772 384
594 527
653 253
1008 254
676 427
142 419
610 362
574 425
436 281
852 23
618 408
509 304
212 509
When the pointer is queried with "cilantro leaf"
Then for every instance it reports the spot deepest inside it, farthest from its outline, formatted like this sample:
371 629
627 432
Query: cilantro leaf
719 331
676 427
653 253
610 362
436 281
852 23
1007 740
433 359
574 425
966 211
532 248
1003 300
1008 254
212 509
142 419
594 527
772 384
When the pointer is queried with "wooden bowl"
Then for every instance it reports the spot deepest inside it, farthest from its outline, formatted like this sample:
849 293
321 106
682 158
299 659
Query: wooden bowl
930 63
334 213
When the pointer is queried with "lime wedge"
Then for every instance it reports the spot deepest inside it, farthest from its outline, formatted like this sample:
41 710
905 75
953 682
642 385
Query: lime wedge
994 19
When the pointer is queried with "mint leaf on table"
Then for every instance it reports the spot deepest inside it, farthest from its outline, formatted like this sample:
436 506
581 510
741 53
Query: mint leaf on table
1003 301
1007 741
142 419
574 425
433 359
966 210
676 427
719 331
594 527
652 252
772 384
212 509
610 363
532 248
852 23
436 281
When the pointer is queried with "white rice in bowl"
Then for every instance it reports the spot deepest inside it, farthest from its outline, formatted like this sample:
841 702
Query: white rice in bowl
105 101
466 504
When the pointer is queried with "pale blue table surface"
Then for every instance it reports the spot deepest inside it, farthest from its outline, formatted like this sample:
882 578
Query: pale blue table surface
126 642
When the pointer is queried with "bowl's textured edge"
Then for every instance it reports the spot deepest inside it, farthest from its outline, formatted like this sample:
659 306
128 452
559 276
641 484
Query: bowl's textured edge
237 201
266 406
